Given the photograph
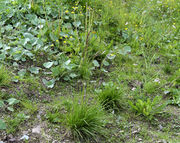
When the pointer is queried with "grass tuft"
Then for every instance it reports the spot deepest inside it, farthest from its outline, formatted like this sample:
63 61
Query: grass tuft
111 97
85 121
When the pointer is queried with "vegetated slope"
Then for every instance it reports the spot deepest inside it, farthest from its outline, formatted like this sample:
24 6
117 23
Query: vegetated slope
89 71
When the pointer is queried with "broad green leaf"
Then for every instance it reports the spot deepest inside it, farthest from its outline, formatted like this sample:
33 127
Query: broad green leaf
28 35
125 50
22 72
77 24
1 103
2 56
96 64
67 62
49 84
73 75
55 71
63 34
48 65
105 63
53 36
23 116
111 56
2 125
10 109
34 70
12 101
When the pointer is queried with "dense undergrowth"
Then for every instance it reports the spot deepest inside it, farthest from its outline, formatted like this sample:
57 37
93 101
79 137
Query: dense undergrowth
89 71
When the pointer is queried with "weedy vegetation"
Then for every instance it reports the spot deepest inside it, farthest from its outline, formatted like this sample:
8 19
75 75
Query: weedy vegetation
148 108
89 71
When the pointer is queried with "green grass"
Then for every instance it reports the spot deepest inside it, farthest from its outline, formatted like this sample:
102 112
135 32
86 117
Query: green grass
109 51
111 97
4 77
13 123
85 121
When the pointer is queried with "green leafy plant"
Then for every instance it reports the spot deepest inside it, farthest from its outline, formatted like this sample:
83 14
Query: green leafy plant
148 108
111 97
175 97
11 102
176 100
14 123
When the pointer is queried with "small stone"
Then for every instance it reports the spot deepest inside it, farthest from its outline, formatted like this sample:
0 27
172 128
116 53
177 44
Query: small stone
133 89
24 137
160 127
37 129
166 92
10 136
157 80
25 132
39 116
3 90
12 140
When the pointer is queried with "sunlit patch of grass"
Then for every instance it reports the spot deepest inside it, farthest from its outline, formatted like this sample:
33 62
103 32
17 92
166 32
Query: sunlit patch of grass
4 76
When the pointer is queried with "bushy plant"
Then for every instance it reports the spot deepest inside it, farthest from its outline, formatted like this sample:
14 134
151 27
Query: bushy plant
111 97
85 121
11 102
148 108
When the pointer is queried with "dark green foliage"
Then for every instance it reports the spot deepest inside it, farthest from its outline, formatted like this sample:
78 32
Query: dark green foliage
111 97
85 121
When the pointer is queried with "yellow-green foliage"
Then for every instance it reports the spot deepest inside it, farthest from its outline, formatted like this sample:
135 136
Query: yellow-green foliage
4 76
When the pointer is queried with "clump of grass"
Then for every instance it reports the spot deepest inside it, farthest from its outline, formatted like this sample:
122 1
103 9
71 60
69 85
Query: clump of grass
85 121
168 69
151 87
4 76
85 70
111 97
